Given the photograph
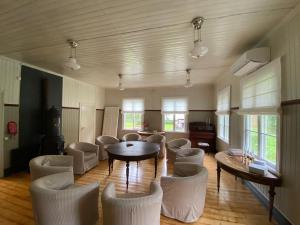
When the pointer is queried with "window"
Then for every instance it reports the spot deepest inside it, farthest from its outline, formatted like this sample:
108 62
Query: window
174 113
261 138
223 127
223 112
260 105
133 114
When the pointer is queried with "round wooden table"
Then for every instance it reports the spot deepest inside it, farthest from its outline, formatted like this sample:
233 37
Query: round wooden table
148 133
132 151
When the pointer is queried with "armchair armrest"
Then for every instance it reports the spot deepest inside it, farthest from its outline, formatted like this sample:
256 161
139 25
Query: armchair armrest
78 162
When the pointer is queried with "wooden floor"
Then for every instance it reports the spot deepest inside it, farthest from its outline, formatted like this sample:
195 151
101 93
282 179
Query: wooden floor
235 204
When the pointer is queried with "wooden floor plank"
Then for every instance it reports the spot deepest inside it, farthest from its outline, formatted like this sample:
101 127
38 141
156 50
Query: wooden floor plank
235 204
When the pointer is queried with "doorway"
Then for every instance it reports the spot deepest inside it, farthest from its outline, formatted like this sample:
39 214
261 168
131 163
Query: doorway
87 123
1 134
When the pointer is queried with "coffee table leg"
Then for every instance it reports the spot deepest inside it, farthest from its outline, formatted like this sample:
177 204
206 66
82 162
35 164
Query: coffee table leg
155 166
218 176
127 174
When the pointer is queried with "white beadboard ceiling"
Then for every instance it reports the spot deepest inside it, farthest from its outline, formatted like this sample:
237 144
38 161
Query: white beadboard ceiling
146 40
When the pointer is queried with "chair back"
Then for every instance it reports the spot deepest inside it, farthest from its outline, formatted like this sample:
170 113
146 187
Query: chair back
132 137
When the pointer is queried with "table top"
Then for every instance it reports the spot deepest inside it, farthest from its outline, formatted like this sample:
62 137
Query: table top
237 167
150 132
133 149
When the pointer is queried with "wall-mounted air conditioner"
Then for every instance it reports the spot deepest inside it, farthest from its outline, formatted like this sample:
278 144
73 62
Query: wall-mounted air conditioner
250 61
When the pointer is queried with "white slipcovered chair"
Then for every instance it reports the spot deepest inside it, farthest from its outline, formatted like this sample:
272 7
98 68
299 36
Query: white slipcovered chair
57 201
85 156
50 164
192 155
184 192
174 145
131 209
103 142
132 137
158 139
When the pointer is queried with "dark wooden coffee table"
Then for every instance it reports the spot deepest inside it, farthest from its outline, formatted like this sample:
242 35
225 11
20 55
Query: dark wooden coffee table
132 151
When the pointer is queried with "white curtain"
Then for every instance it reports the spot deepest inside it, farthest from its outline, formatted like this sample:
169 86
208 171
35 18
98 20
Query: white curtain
223 101
261 90
133 105
174 105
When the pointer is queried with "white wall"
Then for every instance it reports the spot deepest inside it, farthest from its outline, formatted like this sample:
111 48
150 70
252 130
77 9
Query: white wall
284 42
200 97
76 92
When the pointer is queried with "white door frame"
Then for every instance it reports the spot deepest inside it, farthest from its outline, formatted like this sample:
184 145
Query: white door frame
1 134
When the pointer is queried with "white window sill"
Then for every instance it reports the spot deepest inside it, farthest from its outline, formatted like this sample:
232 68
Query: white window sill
223 140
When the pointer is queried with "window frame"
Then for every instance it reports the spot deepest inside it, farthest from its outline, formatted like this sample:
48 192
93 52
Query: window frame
275 168
221 135
133 122
174 115
133 118
175 112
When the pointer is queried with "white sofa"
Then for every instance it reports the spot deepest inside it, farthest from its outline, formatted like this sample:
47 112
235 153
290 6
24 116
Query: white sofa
57 201
50 164
184 192
86 156
103 142
131 209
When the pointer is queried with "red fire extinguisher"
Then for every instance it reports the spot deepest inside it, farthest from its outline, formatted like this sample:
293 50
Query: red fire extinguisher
12 128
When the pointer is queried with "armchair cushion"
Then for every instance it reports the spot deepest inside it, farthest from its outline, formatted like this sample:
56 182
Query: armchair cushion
103 142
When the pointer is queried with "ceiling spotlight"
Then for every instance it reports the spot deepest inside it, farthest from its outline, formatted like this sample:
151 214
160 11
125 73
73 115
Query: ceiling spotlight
199 49
188 82
71 62
121 87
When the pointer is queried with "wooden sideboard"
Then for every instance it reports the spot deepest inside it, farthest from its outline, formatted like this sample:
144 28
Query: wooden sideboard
202 132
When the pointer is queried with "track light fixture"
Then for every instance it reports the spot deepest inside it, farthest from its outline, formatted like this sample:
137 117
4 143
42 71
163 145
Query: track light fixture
71 63
199 50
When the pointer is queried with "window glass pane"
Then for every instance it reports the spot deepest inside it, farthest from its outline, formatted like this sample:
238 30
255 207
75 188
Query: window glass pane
128 121
269 138
138 121
251 134
168 122
179 122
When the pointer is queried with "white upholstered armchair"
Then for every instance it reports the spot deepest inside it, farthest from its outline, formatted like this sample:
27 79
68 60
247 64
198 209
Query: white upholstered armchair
50 164
159 139
132 137
184 192
57 201
192 155
103 142
131 209
85 156
174 145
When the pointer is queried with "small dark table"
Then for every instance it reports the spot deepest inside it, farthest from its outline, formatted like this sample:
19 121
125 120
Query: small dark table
235 166
132 151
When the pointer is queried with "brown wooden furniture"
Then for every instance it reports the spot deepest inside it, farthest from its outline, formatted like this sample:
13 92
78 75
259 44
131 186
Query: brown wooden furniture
202 132
235 166
132 151
147 133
